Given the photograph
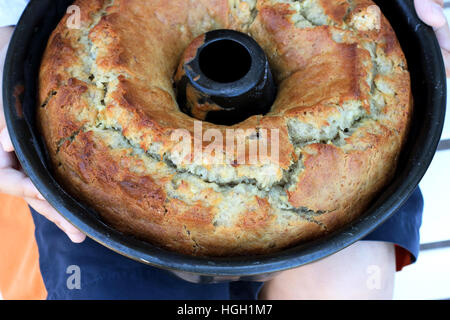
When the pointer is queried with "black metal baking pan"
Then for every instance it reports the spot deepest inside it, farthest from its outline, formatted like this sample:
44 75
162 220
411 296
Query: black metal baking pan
428 86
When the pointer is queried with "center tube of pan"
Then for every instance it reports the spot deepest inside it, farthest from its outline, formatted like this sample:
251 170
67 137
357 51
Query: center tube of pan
224 78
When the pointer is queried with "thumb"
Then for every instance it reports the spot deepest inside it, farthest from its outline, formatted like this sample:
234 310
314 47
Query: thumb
431 12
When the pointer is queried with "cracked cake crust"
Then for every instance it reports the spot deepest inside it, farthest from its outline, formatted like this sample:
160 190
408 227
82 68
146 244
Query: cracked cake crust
107 109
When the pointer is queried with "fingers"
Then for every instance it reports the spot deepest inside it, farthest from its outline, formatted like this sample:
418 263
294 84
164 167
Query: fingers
45 209
431 12
443 36
446 56
5 35
7 159
16 183
5 141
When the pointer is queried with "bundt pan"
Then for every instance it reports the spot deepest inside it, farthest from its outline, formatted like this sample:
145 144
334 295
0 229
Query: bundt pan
428 86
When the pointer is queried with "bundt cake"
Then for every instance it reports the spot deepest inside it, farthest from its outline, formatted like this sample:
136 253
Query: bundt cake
108 112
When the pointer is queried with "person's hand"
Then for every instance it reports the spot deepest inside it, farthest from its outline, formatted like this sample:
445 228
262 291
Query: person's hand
13 180
432 13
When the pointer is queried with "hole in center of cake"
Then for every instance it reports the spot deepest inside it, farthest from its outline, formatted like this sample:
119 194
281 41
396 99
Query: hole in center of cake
225 61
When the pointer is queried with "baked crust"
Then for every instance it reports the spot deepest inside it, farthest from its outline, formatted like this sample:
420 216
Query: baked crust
108 109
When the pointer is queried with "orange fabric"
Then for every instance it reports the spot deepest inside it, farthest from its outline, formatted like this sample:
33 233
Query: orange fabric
403 258
20 276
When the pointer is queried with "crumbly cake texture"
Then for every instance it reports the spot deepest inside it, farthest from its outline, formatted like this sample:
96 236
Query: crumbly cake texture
107 109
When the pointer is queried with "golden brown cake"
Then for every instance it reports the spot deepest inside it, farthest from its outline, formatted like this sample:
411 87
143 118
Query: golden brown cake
108 109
